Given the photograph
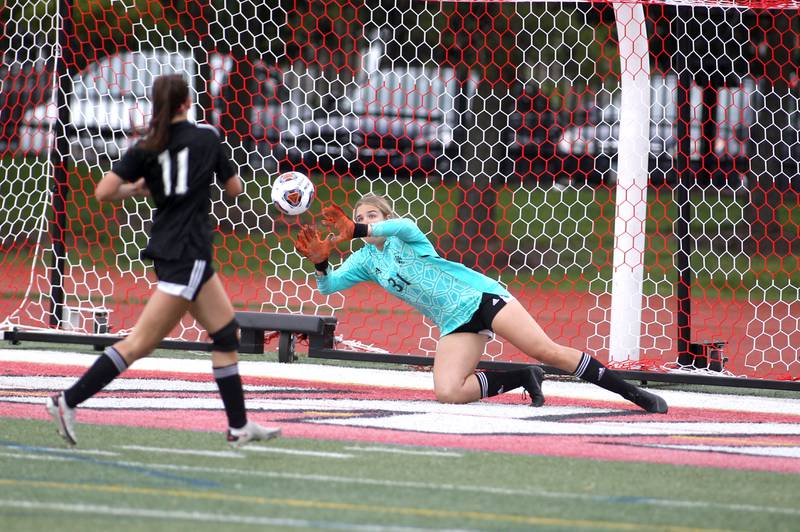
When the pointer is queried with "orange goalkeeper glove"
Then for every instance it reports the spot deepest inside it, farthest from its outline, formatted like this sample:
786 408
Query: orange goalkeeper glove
341 225
312 247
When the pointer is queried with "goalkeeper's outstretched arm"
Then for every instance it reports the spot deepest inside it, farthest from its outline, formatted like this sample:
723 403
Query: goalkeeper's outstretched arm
316 249
346 229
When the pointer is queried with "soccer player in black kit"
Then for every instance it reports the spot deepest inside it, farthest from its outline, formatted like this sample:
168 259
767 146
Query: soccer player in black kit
174 163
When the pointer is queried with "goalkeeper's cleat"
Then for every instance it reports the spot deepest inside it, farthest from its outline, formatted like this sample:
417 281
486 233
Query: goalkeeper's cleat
533 385
649 401
64 417
251 432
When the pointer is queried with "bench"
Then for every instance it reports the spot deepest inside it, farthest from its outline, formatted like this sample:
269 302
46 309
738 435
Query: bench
254 326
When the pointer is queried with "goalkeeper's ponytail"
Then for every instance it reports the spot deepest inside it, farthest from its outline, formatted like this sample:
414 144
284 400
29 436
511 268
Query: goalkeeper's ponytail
168 94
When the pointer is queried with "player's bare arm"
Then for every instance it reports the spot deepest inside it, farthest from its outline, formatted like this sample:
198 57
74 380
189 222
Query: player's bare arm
113 188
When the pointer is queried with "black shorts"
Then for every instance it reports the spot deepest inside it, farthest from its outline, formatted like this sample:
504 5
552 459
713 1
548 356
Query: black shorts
182 278
481 321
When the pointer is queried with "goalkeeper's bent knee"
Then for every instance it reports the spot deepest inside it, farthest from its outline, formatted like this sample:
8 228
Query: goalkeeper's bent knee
227 338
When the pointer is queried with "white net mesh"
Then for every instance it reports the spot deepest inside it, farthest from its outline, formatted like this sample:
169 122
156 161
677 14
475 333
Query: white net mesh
503 128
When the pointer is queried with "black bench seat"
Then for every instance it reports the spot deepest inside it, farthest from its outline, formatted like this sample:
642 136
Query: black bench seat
254 326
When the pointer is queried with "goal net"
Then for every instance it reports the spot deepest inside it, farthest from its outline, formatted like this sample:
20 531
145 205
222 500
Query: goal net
628 170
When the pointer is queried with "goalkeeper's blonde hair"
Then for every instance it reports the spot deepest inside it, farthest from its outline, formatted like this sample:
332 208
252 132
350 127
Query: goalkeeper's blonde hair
379 202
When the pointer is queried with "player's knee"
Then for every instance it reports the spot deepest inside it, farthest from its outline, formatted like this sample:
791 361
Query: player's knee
451 393
227 338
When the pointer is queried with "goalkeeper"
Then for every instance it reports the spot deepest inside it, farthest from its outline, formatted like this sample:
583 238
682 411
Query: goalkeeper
467 307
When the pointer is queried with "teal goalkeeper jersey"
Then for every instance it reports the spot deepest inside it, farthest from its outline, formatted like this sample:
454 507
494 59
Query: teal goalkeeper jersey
409 267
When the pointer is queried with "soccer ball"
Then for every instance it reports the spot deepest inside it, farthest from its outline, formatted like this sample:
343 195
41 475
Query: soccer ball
292 193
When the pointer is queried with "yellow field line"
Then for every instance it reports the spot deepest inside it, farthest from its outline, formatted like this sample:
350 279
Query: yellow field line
742 442
15 393
323 505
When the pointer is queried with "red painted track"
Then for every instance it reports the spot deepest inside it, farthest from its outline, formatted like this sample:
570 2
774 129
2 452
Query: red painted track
310 422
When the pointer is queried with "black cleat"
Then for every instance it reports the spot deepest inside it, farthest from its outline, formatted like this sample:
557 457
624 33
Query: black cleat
533 385
649 401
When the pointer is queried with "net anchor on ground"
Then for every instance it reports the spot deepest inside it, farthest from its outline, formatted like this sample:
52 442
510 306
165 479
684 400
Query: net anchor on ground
708 355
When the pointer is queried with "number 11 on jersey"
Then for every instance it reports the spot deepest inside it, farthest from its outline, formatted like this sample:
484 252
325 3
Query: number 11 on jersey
182 182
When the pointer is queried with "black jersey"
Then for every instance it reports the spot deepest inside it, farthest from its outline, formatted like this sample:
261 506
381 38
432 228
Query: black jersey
179 179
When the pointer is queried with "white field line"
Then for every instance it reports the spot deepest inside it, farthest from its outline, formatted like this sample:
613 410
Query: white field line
66 450
177 515
190 452
125 384
306 372
40 457
411 380
775 452
63 450
393 450
296 452
472 488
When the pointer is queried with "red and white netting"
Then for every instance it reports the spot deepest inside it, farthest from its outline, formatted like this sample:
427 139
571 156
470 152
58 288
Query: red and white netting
505 129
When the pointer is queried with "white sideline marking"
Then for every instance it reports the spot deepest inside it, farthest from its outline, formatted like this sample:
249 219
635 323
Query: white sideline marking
646 501
43 457
304 372
435 418
226 519
191 452
91 452
278 450
67 450
403 451
125 384
433 423
410 380
752 450
478 410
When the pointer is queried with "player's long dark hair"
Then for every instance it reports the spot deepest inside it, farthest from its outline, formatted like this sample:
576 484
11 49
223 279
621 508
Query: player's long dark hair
168 94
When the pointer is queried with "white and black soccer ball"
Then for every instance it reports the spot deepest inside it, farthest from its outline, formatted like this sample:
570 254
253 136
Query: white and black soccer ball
292 193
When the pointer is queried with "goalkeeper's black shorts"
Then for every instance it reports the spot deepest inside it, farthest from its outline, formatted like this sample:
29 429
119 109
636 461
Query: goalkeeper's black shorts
482 318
